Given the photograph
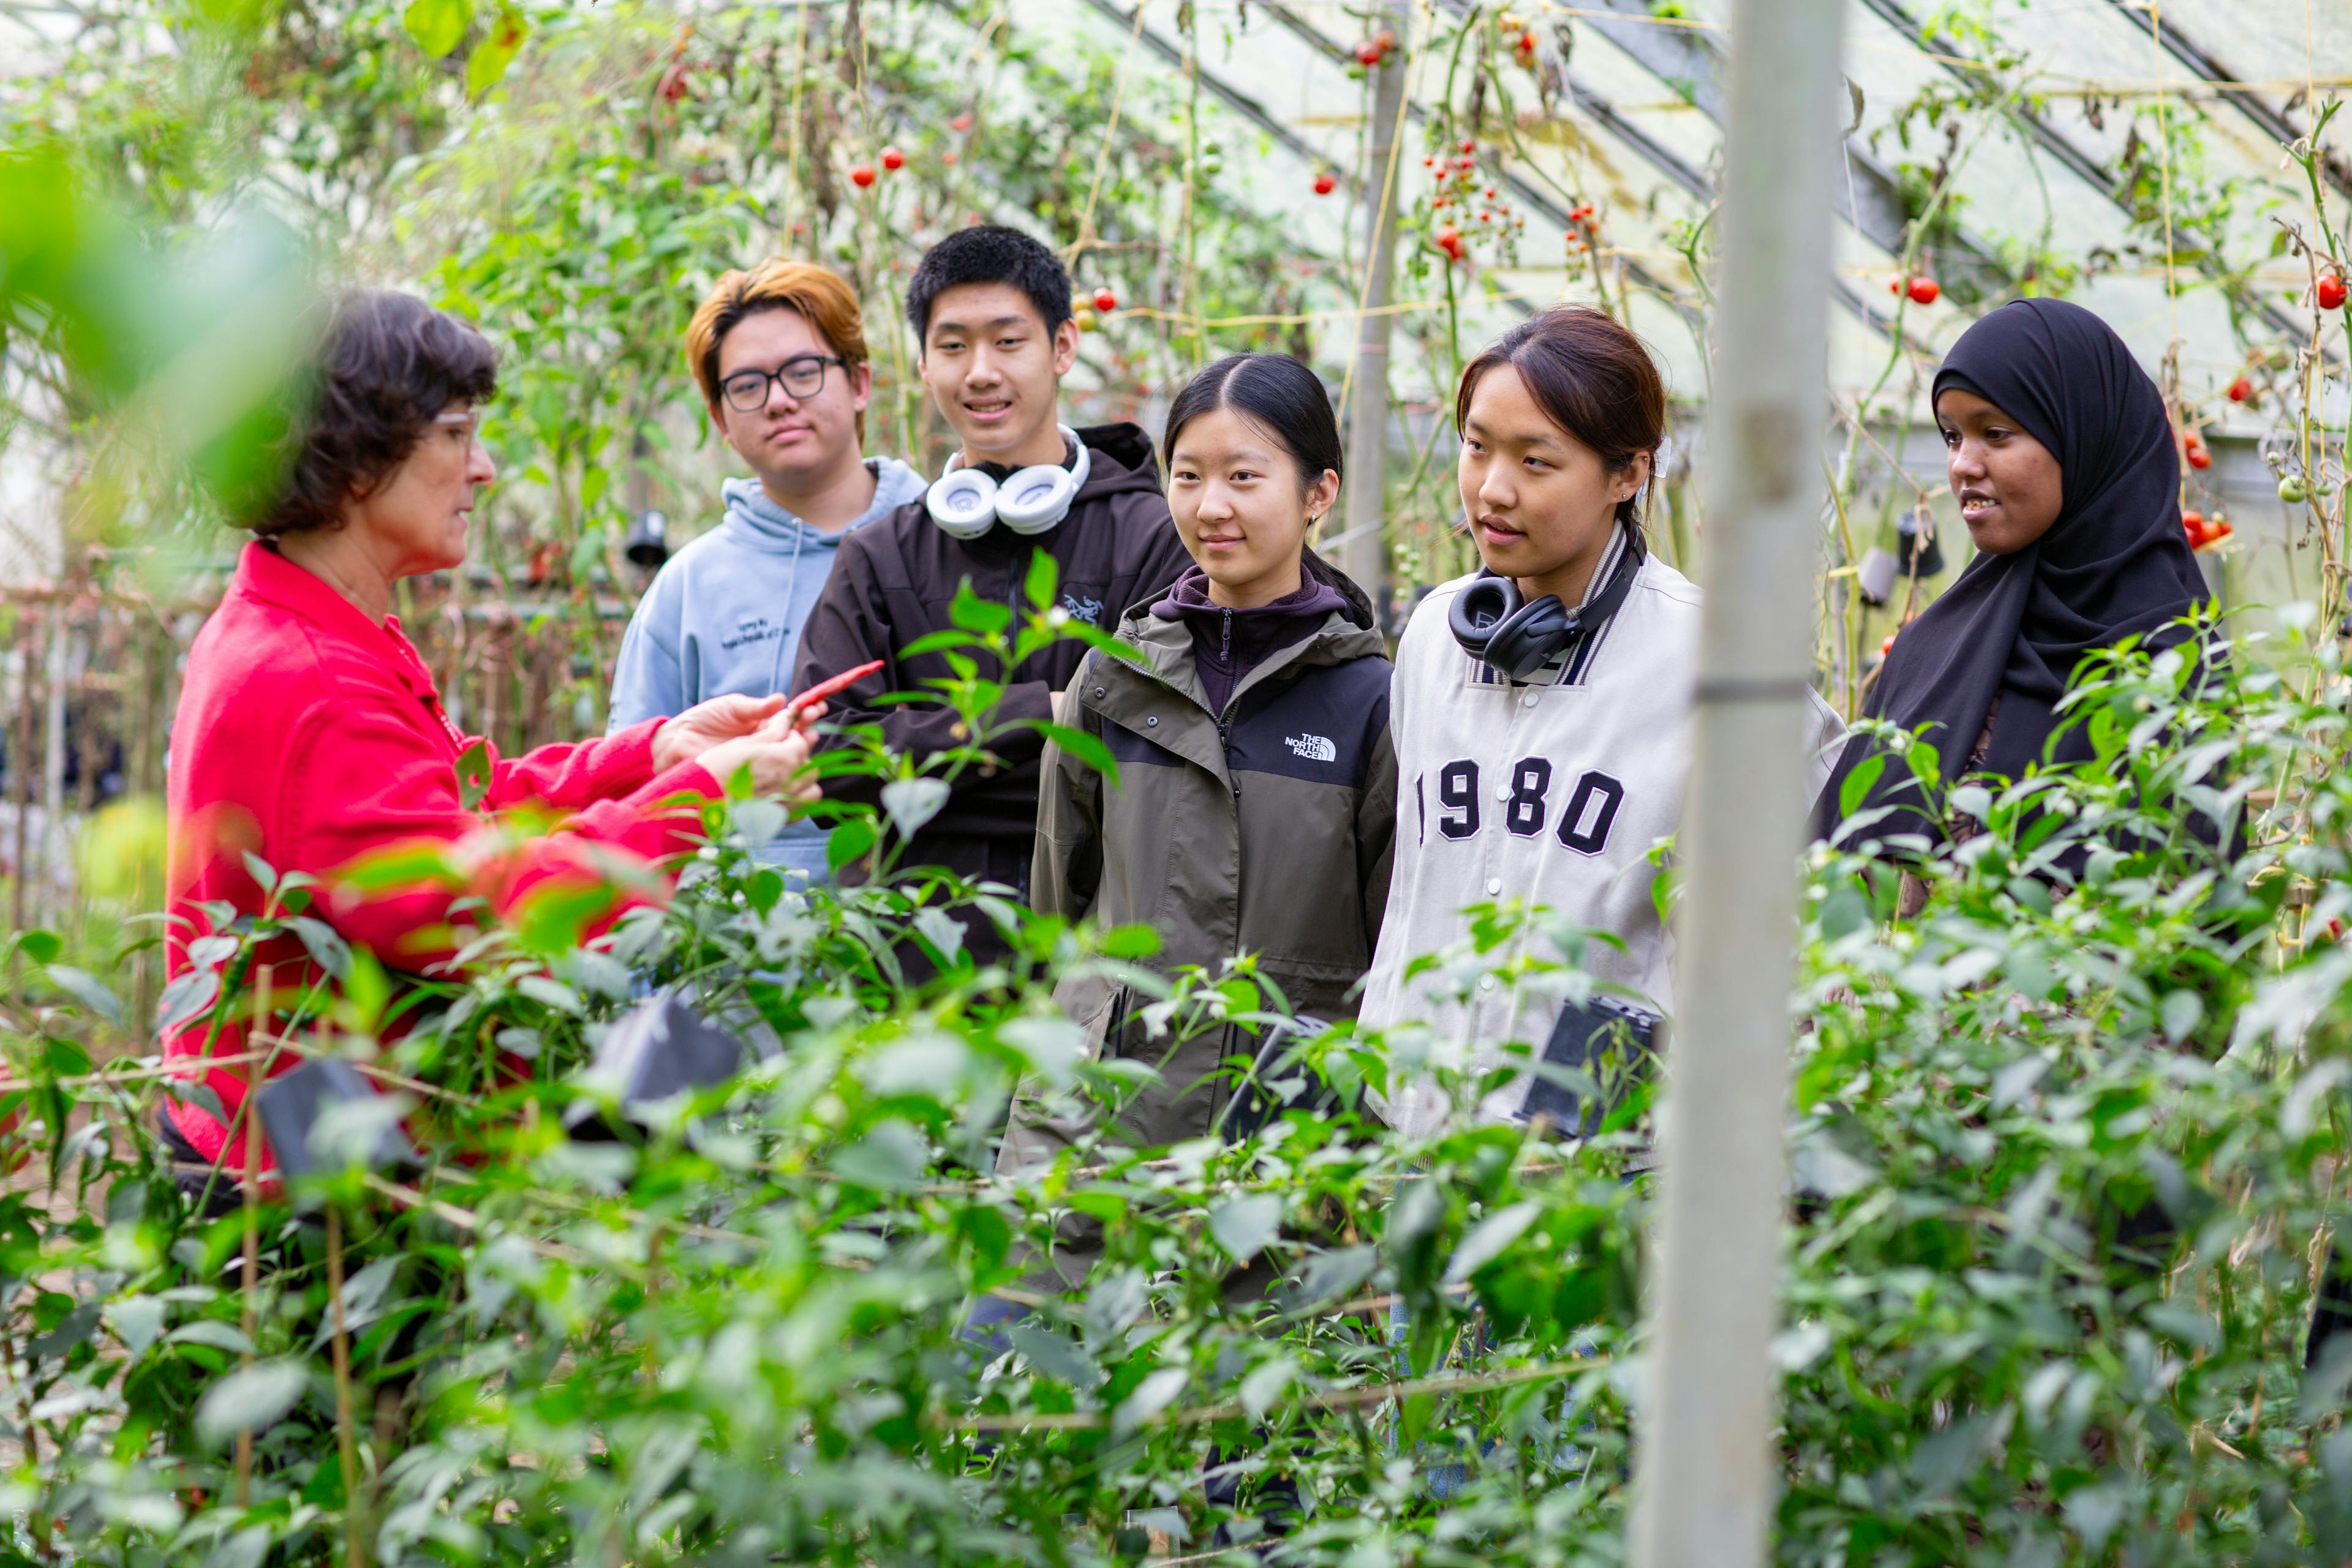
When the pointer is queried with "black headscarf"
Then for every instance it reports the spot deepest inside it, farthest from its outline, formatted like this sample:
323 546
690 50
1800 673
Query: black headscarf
2116 563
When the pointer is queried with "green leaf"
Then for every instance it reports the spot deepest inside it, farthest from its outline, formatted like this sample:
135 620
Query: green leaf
551 994
911 803
250 1399
187 998
1856 787
1045 575
1243 1225
1054 1356
403 868
891 1158
974 613
1153 1396
1844 911
136 1320
472 773
85 988
1331 1275
848 842
940 642
1264 1384
326 947
437 24
1083 746
366 991
40 946
1488 1240
211 1331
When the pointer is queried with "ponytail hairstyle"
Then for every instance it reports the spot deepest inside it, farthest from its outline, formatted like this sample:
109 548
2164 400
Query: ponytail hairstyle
1591 377
1274 392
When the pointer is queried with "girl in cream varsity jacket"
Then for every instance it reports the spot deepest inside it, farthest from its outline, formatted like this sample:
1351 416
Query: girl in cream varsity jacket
1551 792
1540 748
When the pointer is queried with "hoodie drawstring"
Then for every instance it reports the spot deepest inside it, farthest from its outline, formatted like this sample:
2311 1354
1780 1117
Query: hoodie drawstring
791 597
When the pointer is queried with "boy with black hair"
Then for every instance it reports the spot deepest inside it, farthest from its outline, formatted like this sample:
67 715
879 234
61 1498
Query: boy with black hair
990 309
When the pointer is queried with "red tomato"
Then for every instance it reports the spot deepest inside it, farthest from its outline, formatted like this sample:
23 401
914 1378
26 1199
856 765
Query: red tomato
2331 291
2240 390
2199 457
960 122
1106 302
893 159
1469 146
1326 183
1924 290
862 176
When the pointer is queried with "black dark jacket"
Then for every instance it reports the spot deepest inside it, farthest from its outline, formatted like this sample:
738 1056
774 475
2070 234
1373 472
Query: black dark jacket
892 584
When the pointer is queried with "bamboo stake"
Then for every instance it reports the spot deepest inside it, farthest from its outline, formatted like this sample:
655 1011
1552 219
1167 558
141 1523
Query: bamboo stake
1364 548
1706 1475
345 1446
251 1317
20 775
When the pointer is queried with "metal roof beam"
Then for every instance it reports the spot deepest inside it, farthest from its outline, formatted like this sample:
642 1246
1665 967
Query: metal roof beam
2245 98
2052 141
1688 61
1650 150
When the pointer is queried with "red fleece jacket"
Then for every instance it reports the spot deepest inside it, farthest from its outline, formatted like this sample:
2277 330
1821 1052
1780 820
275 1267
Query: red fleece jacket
310 736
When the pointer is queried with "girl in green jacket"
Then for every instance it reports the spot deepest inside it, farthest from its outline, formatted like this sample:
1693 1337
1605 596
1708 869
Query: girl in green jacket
1256 794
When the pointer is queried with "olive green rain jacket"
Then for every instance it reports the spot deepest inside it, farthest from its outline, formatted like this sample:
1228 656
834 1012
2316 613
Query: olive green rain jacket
1264 829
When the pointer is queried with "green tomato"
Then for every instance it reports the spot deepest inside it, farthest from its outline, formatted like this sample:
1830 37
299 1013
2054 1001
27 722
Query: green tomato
2293 490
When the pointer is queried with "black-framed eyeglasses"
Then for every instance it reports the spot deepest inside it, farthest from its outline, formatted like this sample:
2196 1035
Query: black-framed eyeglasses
746 391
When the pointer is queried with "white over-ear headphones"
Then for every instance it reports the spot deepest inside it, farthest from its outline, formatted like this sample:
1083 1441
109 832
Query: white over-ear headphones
967 503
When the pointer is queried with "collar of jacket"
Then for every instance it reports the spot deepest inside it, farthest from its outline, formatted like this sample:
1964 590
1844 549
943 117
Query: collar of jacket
262 573
1128 694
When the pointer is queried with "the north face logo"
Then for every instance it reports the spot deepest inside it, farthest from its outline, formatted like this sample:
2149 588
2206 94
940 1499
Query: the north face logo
1314 748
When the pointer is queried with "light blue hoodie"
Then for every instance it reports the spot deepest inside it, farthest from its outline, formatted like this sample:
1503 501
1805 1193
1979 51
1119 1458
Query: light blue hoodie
724 615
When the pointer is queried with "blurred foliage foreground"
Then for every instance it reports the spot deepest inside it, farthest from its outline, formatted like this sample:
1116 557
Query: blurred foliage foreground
2063 1146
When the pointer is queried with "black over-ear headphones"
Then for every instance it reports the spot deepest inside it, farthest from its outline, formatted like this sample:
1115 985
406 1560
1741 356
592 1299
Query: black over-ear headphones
1517 639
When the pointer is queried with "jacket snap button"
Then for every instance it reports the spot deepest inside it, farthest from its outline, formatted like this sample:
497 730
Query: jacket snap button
1152 723
1099 691
1494 886
1527 702
1502 792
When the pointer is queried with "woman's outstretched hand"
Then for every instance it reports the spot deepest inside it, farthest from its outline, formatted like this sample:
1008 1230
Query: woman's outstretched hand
777 750
707 724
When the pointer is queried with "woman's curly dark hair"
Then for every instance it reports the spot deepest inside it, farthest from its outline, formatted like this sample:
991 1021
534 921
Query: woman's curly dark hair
389 366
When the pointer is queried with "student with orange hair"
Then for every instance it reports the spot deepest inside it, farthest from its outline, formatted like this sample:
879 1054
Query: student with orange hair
779 353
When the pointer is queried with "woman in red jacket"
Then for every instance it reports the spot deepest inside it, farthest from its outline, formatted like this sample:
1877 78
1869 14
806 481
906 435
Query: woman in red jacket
309 734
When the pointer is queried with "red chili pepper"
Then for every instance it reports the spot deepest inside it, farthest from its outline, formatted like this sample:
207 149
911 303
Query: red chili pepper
823 689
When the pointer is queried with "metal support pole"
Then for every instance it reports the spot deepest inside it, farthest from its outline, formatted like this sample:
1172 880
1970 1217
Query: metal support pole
1364 546
1705 1482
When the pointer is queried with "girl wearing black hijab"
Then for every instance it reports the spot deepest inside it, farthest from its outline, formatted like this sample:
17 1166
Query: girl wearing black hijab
2063 462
